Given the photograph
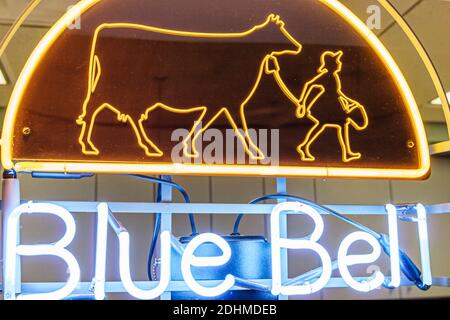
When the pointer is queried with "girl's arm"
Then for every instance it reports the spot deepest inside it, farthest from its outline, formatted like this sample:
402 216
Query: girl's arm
304 97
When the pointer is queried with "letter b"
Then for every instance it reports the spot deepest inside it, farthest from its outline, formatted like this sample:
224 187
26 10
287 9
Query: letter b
311 244
14 250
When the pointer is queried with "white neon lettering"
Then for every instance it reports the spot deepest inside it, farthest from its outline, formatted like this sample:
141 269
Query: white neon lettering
189 259
124 266
344 261
424 244
394 246
14 251
100 251
311 244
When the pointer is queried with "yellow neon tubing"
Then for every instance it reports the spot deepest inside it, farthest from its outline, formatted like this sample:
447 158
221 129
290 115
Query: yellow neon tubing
50 37
383 53
69 166
347 105
95 71
403 24
219 170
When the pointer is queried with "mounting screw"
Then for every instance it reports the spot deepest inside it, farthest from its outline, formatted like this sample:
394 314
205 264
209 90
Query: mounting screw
26 131
410 144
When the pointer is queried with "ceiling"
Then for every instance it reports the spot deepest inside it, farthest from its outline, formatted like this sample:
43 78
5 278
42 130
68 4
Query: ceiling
429 19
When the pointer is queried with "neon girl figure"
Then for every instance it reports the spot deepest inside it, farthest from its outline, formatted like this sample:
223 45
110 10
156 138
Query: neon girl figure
326 87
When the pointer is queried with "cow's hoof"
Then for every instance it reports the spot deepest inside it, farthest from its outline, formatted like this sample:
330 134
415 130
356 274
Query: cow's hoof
258 156
89 149
91 152
305 156
154 154
190 154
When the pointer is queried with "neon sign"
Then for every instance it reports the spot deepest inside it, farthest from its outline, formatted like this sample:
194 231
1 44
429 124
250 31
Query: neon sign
134 80
14 250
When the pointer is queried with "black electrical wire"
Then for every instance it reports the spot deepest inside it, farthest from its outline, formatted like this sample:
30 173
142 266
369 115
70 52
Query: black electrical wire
310 203
176 186
153 245
407 266
157 224
156 229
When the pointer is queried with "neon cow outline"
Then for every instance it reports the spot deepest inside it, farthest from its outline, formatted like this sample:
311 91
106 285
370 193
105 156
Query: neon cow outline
150 148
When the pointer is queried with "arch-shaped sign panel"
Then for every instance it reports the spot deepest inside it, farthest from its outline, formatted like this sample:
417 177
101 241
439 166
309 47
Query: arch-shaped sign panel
281 88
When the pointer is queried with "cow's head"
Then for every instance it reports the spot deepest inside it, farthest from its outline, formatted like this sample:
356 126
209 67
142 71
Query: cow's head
276 33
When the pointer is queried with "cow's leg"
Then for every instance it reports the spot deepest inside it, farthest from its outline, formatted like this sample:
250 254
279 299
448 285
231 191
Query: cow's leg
190 143
151 150
87 127
252 149
88 123
198 131
145 116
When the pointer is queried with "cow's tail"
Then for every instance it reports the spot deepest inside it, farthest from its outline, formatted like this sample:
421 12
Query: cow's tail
95 71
